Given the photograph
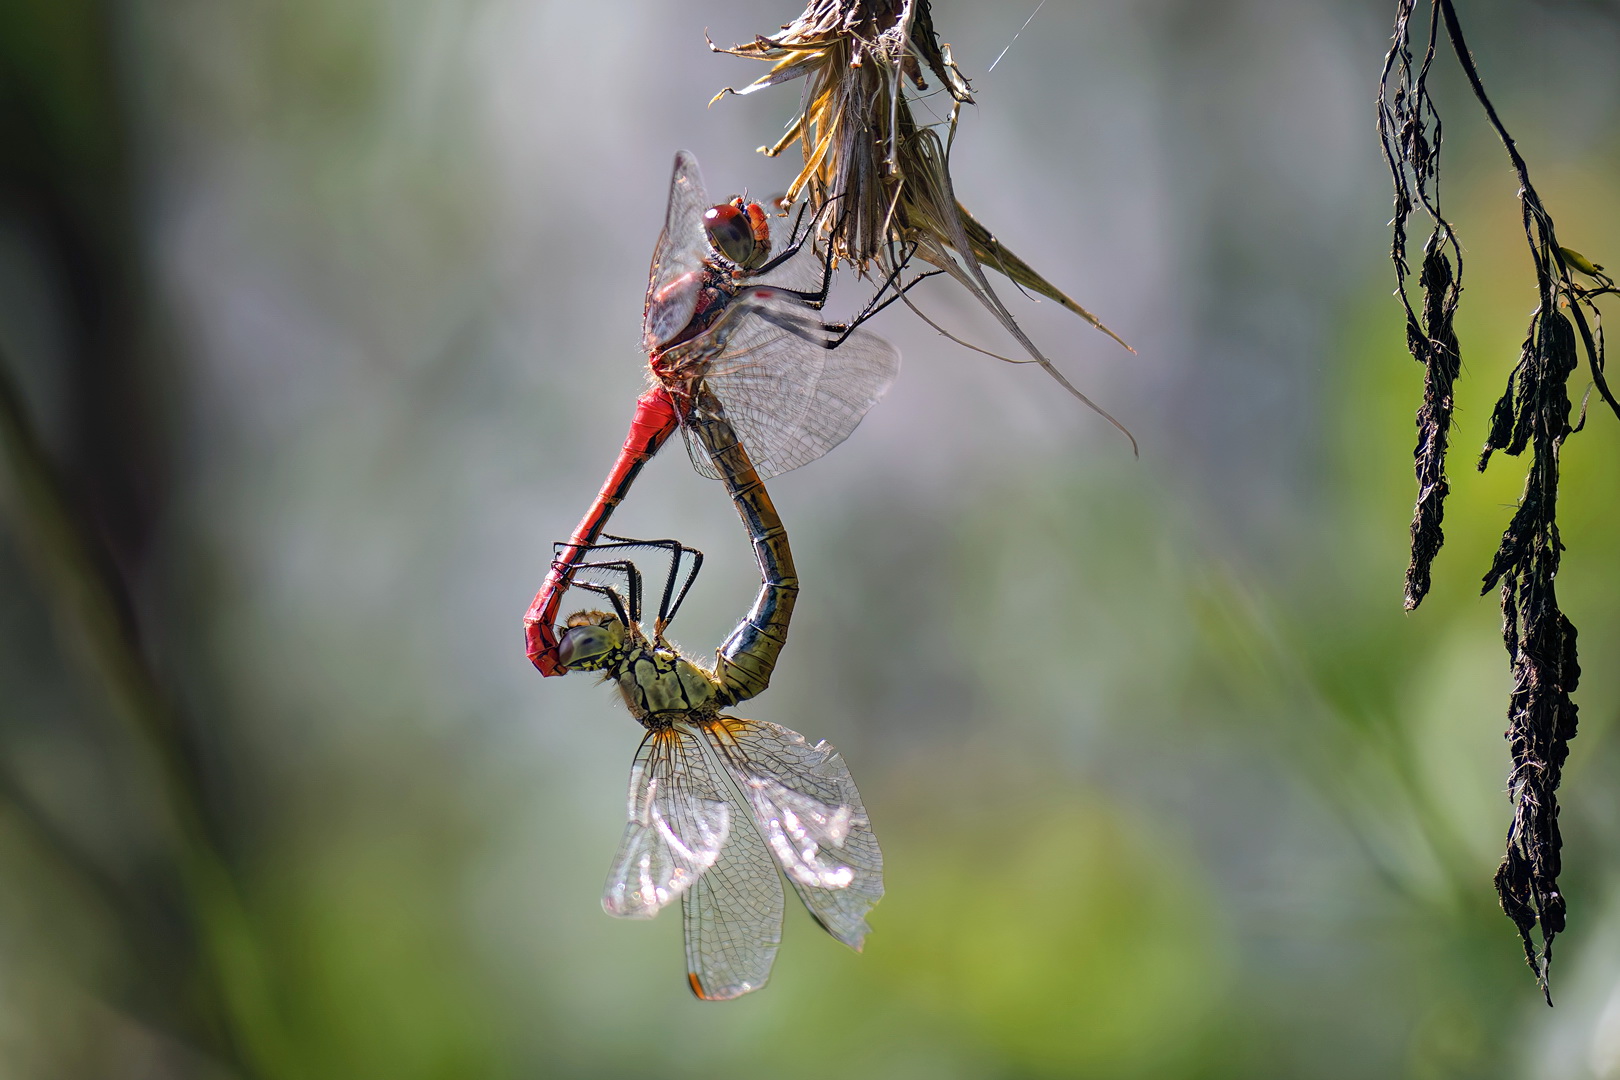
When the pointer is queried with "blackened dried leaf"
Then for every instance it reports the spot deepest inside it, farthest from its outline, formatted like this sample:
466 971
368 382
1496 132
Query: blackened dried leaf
1434 343
1409 128
1532 414
1541 722
1502 416
1540 639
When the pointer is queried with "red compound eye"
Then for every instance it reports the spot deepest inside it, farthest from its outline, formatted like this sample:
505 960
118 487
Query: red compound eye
732 233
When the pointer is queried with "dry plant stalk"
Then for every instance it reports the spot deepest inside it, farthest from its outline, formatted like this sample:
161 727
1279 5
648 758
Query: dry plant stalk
884 178
1533 413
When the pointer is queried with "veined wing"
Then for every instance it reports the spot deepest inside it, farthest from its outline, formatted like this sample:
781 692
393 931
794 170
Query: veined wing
789 398
679 818
811 816
676 275
733 919
804 270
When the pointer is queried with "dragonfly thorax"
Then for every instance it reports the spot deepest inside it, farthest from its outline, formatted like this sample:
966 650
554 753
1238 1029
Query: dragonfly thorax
661 681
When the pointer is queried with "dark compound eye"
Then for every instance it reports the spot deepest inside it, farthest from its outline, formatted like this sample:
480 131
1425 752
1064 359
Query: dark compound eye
731 233
586 646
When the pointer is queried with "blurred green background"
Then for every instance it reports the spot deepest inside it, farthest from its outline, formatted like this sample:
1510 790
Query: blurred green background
330 310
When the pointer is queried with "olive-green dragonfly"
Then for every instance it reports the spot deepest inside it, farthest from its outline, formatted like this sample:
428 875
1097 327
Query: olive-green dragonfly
713 798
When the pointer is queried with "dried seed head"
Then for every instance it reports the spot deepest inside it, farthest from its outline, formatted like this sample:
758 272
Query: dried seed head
883 179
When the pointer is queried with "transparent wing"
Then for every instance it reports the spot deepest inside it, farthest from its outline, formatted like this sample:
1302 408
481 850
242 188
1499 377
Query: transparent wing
789 398
810 813
733 919
676 275
804 270
679 817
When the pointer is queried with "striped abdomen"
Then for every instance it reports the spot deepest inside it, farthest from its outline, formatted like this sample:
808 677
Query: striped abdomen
744 663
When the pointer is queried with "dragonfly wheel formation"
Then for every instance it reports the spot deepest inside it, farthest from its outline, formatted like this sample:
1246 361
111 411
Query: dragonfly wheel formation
715 798
744 366
731 329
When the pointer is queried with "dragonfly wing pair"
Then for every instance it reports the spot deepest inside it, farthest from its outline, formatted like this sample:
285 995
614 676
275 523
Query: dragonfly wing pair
788 396
688 836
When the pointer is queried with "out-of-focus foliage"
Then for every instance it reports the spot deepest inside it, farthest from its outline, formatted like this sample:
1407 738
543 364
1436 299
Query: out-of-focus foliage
1166 783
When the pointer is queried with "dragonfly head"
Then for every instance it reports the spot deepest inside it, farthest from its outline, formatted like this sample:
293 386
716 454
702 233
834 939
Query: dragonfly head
739 231
591 640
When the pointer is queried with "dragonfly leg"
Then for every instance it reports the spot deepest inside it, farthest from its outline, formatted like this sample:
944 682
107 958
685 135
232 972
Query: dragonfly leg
813 331
832 335
676 584
796 241
629 612
873 306
812 298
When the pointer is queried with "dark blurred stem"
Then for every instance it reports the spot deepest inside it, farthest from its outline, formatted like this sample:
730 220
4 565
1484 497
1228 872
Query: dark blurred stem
62 850
63 853
74 576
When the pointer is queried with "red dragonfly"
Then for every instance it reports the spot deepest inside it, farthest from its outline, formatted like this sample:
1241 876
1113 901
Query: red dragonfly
731 329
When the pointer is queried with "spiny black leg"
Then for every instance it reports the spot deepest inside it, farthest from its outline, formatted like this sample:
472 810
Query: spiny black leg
843 330
811 330
795 242
667 612
671 600
627 614
809 298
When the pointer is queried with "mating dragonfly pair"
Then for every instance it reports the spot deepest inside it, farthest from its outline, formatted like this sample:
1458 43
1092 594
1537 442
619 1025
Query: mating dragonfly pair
742 363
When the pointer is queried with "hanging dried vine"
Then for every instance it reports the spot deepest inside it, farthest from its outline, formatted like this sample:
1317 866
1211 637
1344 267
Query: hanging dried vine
1410 129
1533 414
